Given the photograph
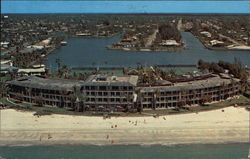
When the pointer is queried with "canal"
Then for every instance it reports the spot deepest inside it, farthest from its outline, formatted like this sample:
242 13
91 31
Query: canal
92 52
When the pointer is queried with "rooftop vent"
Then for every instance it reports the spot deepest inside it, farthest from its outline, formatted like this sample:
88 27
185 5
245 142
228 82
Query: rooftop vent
101 78
113 78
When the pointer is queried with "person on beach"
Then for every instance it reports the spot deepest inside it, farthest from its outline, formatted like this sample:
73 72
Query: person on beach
49 136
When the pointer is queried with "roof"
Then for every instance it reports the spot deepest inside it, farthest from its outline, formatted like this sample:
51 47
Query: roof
163 82
170 43
6 67
46 83
211 82
31 70
105 80
27 50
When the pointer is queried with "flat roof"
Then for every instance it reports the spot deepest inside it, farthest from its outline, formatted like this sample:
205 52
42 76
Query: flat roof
106 80
46 83
198 84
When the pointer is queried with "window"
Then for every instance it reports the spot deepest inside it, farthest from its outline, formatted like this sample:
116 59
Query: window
102 88
115 88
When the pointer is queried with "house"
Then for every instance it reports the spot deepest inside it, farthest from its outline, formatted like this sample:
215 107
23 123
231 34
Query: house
5 44
169 43
206 33
6 68
216 43
31 71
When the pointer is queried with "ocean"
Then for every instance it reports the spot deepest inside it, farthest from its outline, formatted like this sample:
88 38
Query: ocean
195 151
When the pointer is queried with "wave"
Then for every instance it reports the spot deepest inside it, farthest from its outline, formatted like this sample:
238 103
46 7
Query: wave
1 157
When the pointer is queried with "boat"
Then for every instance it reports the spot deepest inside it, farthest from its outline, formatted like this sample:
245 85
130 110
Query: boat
63 43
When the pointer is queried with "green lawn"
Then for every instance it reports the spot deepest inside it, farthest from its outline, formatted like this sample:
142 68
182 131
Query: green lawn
46 110
242 101
38 109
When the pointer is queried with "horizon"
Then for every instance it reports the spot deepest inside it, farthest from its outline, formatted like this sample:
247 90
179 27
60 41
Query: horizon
125 7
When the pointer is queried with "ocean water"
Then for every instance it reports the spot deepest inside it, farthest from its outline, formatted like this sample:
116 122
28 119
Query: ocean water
197 151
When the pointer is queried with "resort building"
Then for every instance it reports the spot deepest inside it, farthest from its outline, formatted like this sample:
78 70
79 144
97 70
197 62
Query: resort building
122 93
188 93
44 91
114 93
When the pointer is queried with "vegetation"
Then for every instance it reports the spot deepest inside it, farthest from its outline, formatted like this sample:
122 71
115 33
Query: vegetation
236 69
167 32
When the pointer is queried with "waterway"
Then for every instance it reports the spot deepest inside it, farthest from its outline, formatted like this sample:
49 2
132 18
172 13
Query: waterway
92 52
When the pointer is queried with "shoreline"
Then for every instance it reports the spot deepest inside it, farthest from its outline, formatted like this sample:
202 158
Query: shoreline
217 48
209 127
28 143
170 49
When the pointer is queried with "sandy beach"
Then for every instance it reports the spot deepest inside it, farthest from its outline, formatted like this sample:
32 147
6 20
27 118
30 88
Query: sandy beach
214 126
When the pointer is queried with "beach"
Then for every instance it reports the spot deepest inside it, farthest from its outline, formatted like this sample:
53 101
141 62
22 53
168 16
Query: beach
225 125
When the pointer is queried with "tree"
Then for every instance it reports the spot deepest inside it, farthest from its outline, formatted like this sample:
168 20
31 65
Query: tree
3 90
74 97
29 91
205 99
58 62
39 100
139 102
129 98
155 95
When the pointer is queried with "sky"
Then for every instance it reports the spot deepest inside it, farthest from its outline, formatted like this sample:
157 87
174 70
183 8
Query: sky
123 6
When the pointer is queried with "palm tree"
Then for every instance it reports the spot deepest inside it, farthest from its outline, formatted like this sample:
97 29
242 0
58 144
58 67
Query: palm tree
82 99
63 92
140 96
129 100
3 89
39 100
155 95
29 90
58 62
75 98
183 100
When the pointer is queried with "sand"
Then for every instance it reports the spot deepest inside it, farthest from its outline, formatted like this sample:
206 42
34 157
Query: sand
214 126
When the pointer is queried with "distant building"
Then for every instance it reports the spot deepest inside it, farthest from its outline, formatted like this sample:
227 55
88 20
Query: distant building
5 44
216 43
7 68
31 71
206 33
169 43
